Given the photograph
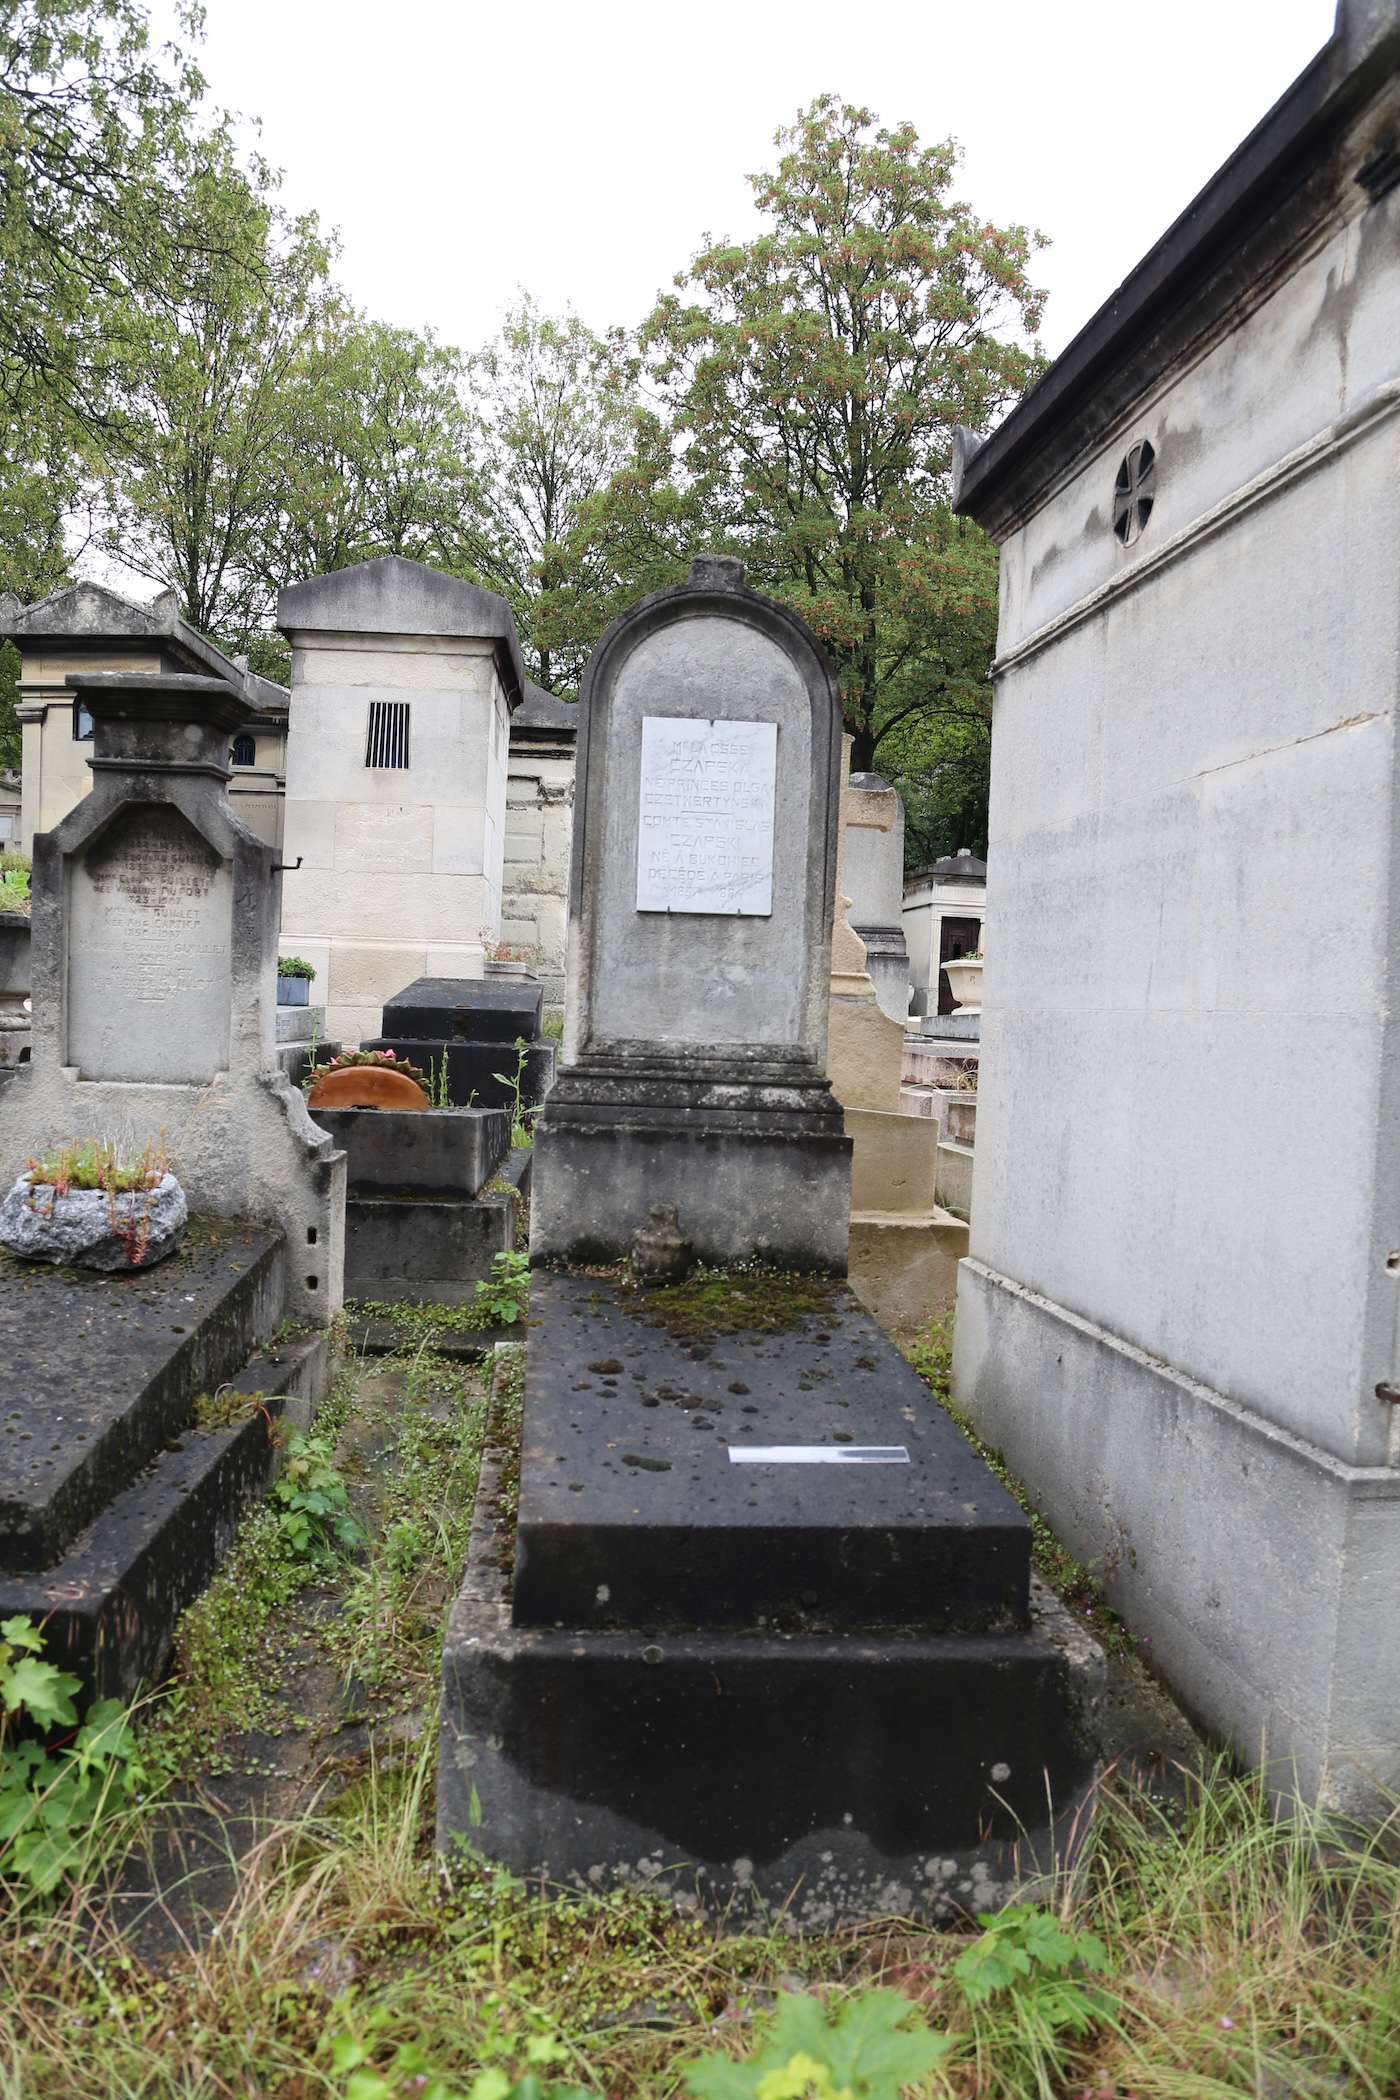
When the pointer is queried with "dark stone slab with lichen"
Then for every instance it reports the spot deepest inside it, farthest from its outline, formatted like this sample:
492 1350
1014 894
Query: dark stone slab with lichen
633 1514
100 1371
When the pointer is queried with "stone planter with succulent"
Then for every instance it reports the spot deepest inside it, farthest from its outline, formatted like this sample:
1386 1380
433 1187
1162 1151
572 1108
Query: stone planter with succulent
96 1203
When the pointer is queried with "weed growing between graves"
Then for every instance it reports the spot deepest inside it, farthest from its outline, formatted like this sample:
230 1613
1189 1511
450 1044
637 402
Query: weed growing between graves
60 1795
501 1299
931 1354
522 1115
1209 1953
15 871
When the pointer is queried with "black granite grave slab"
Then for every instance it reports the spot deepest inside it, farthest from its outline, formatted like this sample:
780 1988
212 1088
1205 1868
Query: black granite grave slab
483 1009
109 1608
638 1506
450 1153
474 1069
100 1371
832 1775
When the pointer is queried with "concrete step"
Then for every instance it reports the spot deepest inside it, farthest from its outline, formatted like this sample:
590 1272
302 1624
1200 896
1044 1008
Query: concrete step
414 1249
109 1607
100 1372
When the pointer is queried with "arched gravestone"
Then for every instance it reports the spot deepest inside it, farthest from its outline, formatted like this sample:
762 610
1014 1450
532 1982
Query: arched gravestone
701 895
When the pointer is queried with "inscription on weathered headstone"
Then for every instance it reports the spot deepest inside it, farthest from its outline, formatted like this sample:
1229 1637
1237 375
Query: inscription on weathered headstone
705 817
149 955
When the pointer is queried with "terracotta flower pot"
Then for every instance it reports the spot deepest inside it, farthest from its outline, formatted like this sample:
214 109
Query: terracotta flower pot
366 1086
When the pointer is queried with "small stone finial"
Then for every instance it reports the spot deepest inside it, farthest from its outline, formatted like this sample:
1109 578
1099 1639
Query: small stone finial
716 572
10 610
165 610
660 1251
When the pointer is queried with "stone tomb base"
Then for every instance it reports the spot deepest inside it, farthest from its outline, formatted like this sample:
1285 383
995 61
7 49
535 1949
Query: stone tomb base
115 1510
434 1197
820 1682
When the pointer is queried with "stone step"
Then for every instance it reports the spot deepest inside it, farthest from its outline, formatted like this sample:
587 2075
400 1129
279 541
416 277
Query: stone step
449 1153
423 1250
101 1370
110 1606
634 1513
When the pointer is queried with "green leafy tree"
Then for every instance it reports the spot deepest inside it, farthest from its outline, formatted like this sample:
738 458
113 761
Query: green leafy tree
554 412
91 126
812 380
375 451
190 474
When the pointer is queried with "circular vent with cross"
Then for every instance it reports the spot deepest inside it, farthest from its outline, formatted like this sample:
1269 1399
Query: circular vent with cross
1133 493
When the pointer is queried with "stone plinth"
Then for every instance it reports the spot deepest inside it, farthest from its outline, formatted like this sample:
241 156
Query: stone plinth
153 959
699 949
403 682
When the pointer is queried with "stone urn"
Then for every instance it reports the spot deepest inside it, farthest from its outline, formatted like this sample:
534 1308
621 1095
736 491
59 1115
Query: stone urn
92 1228
965 977
660 1251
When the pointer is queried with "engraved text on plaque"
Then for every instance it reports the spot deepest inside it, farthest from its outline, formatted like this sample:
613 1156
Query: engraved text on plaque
705 821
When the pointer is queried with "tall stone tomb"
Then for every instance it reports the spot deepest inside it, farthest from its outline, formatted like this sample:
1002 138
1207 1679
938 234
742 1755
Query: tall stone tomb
1180 1315
403 683
756 1621
154 951
704 867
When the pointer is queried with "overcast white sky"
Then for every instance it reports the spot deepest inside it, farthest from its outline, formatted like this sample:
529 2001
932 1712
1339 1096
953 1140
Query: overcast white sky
583 151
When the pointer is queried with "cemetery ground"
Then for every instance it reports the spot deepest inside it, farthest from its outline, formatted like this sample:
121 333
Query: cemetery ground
266 1913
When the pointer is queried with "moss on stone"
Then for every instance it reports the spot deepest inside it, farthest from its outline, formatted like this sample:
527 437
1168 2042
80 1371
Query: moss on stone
735 1301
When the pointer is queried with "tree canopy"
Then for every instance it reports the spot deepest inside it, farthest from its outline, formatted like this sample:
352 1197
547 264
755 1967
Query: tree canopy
185 389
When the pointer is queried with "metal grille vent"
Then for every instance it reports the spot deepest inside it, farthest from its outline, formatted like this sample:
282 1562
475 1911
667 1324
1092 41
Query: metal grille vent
1134 492
387 742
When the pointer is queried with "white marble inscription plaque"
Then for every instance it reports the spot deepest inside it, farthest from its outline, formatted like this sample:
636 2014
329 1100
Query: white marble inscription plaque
705 822
818 1455
150 979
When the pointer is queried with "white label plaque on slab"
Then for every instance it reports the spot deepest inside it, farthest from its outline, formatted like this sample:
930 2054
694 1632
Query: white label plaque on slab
705 820
819 1455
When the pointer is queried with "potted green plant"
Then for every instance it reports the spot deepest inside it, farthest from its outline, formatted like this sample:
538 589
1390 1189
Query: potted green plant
294 981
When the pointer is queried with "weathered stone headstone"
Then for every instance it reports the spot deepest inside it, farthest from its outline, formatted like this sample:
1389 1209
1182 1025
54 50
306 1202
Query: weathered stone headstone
154 952
704 868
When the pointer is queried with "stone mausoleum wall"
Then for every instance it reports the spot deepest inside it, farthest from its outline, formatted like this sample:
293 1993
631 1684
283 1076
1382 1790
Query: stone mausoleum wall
1181 1297
403 682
